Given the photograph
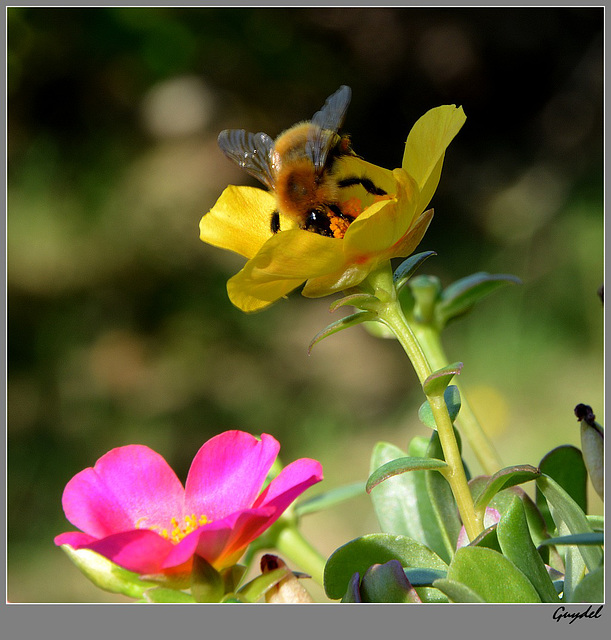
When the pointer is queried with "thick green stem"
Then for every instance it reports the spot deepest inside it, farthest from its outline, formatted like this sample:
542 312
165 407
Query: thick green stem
296 548
470 428
390 312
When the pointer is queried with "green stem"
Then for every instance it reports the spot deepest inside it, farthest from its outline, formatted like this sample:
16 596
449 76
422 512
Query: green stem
295 547
486 454
390 312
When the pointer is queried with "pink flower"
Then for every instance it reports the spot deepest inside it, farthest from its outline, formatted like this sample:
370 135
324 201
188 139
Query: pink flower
132 509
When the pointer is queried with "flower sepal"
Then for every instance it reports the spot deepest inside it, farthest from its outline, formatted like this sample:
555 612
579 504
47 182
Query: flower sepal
106 574
207 584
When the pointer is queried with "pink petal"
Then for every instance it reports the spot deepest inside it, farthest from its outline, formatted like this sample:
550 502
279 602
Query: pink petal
290 483
228 472
224 538
141 551
129 487
75 539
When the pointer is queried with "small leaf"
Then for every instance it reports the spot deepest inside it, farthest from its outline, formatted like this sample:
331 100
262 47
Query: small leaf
460 297
387 583
402 503
457 591
358 300
516 544
341 324
491 576
165 595
424 577
256 588
408 267
432 595
437 382
565 510
376 548
451 396
402 465
353 593
329 498
596 538
591 587
507 477
566 466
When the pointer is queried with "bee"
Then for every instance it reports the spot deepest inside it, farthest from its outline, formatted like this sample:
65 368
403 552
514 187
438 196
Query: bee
300 167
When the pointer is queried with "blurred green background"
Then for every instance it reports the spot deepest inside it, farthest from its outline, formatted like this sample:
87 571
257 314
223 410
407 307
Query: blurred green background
120 329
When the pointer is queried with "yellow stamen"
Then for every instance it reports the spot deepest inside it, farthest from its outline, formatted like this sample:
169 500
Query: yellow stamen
179 531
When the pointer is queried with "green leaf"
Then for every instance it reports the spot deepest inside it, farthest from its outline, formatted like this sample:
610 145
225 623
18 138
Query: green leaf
565 510
491 576
387 583
329 498
460 297
357 300
516 544
592 587
436 383
402 465
376 548
408 267
487 538
451 396
424 577
353 592
596 538
341 324
430 594
507 477
457 591
503 499
402 503
165 595
566 466
597 522
256 588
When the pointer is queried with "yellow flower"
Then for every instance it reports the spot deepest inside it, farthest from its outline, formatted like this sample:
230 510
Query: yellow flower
385 227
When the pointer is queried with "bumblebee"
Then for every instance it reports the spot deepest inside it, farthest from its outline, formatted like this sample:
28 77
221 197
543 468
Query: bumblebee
299 167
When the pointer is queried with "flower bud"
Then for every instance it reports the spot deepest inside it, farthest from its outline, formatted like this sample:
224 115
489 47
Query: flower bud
289 589
592 447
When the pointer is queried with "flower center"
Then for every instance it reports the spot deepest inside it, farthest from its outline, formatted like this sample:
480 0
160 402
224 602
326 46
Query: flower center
179 530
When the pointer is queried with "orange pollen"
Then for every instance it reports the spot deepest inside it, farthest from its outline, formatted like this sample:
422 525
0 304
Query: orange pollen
338 226
179 531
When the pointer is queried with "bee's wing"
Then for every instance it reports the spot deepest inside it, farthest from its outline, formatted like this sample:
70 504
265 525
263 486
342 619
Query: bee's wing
251 151
328 120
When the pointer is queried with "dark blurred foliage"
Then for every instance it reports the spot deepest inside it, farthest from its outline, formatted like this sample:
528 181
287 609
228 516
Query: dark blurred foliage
120 329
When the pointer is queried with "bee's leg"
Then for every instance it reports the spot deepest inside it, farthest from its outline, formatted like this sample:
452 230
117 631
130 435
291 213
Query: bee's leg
366 183
275 222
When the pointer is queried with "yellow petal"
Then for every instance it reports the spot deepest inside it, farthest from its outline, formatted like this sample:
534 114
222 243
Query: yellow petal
350 275
426 145
284 262
412 238
239 221
385 222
